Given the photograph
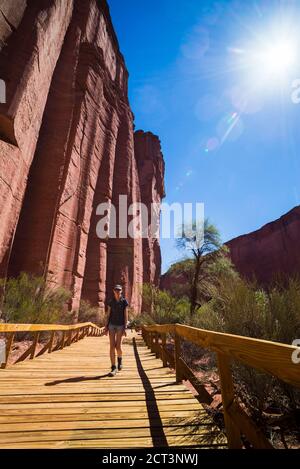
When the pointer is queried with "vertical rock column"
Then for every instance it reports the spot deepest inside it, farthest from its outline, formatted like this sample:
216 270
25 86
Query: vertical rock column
94 282
151 180
124 262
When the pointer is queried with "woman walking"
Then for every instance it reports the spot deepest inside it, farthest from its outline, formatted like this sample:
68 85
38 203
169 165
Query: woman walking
116 327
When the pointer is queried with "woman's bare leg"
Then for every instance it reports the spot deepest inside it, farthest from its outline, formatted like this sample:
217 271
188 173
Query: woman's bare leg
119 336
112 342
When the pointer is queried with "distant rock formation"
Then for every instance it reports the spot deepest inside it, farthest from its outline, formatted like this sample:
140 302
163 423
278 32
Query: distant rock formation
270 251
67 144
265 254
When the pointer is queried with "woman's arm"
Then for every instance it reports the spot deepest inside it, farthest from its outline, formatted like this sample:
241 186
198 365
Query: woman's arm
107 319
126 316
125 319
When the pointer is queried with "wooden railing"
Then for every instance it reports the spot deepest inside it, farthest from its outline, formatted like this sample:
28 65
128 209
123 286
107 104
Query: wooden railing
270 357
60 336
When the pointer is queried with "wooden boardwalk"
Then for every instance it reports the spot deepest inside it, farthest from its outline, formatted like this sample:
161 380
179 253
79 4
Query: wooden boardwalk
66 400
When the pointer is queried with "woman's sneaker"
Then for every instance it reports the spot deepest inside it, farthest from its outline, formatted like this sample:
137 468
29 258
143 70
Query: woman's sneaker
120 366
113 371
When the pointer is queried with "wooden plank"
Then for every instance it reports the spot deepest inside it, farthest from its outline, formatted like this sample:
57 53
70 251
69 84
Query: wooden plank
134 443
170 358
253 434
177 358
227 389
188 374
100 423
114 406
270 357
25 417
44 327
23 399
111 389
112 433
161 328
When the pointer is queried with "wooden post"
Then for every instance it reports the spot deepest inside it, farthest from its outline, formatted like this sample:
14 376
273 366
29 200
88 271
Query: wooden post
177 357
34 345
163 349
152 342
63 340
9 343
51 341
146 337
149 340
69 340
227 389
156 344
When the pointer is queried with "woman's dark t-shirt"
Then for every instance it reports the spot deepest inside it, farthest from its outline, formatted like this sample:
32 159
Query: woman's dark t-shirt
117 311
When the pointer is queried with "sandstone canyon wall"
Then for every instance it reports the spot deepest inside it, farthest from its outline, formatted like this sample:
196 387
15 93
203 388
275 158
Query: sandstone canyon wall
67 144
270 251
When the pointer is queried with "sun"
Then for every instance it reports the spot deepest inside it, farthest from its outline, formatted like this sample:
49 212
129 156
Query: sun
269 59
277 58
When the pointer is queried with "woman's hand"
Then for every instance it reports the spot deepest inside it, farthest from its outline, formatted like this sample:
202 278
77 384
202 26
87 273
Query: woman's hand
124 332
105 332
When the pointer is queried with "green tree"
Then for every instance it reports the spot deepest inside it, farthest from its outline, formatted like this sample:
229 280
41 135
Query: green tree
203 245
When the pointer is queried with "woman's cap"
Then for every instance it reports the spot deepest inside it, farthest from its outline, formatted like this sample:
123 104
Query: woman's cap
118 287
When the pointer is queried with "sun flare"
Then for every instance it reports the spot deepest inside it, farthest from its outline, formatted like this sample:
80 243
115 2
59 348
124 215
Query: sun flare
279 57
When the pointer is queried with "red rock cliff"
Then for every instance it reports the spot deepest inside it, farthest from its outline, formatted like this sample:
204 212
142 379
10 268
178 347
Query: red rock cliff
66 145
269 251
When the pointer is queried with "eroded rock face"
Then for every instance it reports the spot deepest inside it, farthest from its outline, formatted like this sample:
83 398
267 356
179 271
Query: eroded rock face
11 14
270 251
66 145
151 181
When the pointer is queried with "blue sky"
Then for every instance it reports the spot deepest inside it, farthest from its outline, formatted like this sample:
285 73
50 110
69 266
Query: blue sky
201 80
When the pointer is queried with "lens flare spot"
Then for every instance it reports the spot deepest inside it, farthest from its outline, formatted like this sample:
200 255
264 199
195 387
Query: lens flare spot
212 144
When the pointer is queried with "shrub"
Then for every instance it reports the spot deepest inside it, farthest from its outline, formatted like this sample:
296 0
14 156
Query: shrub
29 299
161 308
89 313
239 307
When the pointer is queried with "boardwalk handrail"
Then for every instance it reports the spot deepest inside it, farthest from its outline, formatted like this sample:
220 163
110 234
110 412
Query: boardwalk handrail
70 333
270 357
